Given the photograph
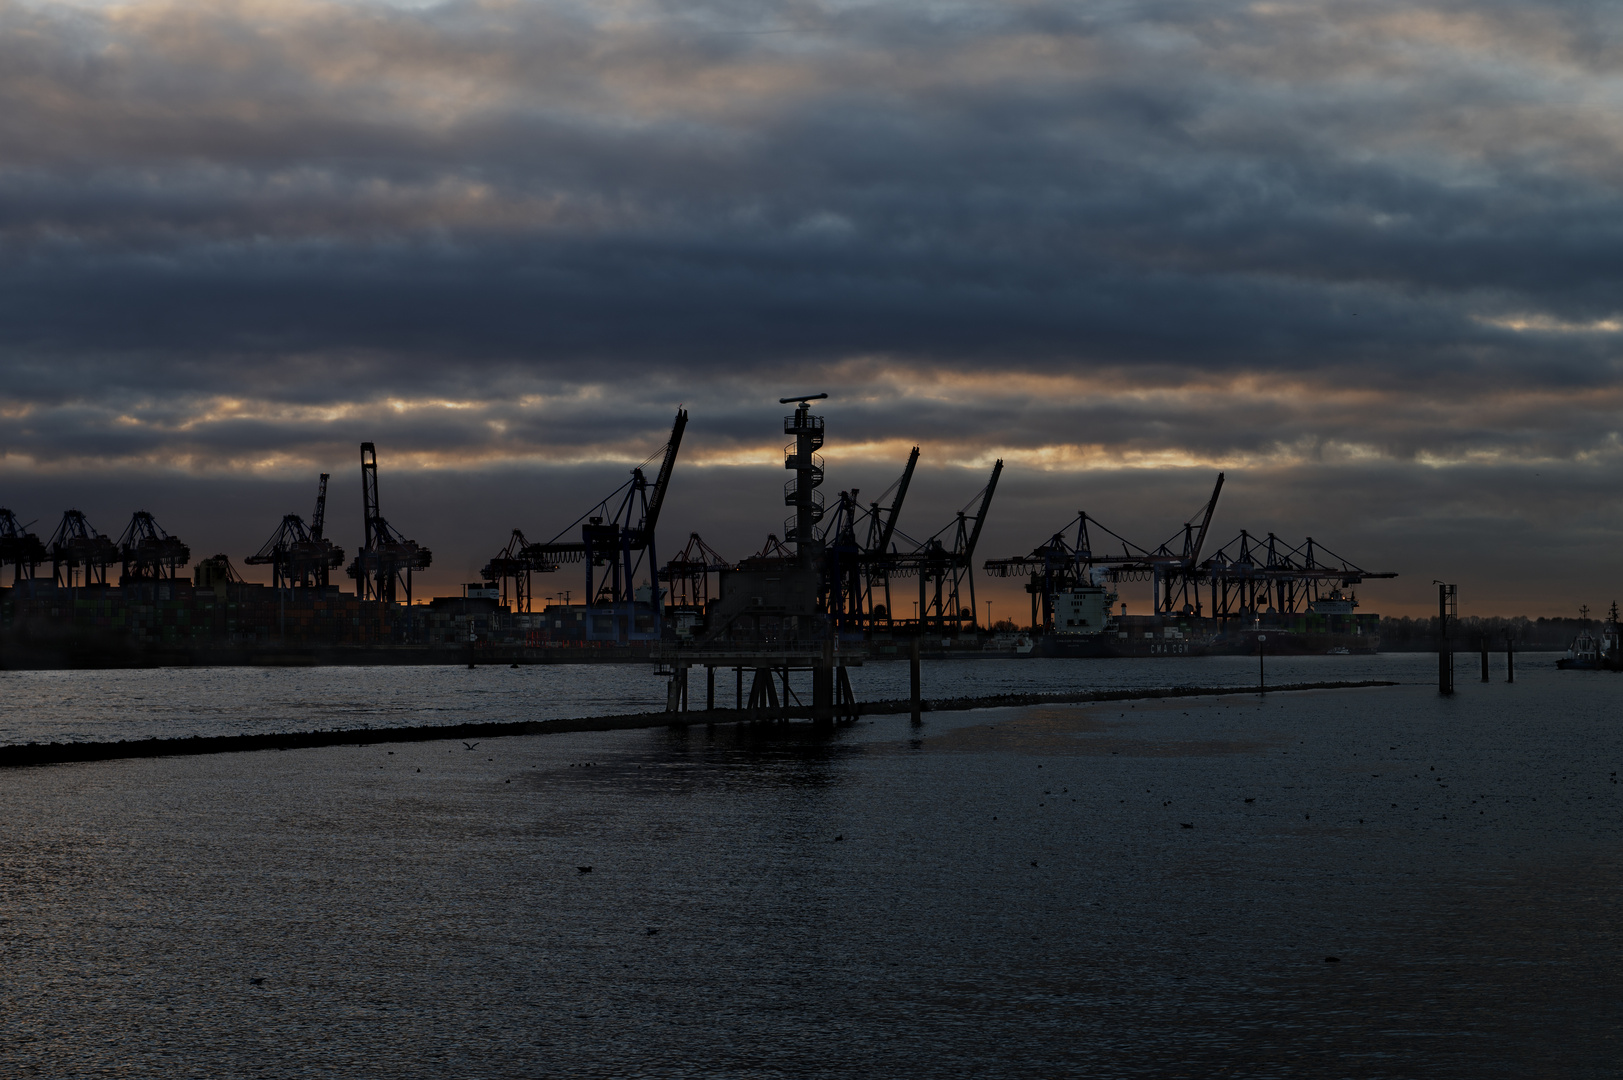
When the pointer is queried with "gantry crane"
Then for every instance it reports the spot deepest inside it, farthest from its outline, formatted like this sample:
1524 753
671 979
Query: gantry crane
148 553
79 554
688 574
617 538
301 557
382 569
1068 560
944 572
858 555
19 548
510 564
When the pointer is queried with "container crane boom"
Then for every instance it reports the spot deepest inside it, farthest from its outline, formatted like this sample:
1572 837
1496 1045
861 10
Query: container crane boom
980 518
1206 521
318 520
645 534
896 505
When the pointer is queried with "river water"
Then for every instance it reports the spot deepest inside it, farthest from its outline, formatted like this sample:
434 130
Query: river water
1135 889
87 706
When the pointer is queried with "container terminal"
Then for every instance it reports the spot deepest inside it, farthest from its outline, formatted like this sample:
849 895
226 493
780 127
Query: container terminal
842 574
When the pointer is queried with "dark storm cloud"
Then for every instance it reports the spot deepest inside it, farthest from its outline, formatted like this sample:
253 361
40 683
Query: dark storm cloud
1179 184
1340 239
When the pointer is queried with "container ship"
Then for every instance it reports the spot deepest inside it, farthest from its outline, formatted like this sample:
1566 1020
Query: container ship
1084 626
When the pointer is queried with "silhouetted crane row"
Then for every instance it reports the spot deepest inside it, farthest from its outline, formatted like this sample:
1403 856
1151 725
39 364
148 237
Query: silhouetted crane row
856 550
620 539
148 553
79 554
688 574
838 578
19 548
300 557
1068 560
383 567
1285 578
944 572
1248 576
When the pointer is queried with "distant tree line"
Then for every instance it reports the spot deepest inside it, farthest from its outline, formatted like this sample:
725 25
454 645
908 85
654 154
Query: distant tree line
1406 634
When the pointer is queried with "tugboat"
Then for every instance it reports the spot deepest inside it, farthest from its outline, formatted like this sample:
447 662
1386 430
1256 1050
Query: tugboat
1004 643
1596 653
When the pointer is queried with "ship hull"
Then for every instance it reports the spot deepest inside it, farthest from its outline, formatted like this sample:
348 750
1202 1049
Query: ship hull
1568 663
1100 646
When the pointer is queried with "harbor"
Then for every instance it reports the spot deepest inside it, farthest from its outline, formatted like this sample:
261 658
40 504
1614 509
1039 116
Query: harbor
813 541
839 573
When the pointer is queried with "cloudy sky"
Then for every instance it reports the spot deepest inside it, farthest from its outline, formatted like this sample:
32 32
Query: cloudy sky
1362 256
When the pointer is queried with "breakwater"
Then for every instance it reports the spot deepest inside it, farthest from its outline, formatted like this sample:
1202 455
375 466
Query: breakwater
55 753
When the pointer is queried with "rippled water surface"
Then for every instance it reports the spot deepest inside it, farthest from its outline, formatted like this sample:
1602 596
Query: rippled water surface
1141 889
83 706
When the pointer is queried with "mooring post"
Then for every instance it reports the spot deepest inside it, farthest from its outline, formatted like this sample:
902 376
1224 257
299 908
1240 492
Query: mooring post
1447 606
1484 657
710 688
1262 676
1510 658
913 662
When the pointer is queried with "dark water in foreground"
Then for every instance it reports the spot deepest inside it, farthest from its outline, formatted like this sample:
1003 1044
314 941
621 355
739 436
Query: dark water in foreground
1015 894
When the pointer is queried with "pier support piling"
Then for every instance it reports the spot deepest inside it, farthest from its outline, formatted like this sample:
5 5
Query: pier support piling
846 700
676 692
823 686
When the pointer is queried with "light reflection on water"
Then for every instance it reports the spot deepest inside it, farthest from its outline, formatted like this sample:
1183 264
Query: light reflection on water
1459 857
83 706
